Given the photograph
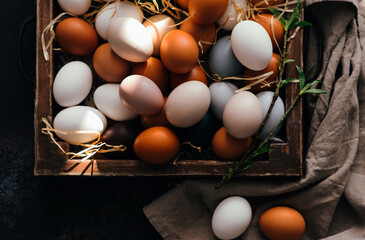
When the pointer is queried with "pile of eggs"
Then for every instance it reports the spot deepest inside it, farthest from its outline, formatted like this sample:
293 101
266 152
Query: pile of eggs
153 93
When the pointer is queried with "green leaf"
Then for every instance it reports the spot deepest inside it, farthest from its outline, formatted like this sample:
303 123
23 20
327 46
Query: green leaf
301 77
277 14
286 81
230 169
306 87
302 24
263 150
294 18
247 166
289 61
319 91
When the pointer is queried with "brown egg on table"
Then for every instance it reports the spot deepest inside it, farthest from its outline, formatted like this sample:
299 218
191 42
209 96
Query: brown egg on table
270 82
179 51
282 223
201 33
227 147
77 37
272 26
206 12
264 4
154 70
182 3
157 119
108 65
197 74
156 145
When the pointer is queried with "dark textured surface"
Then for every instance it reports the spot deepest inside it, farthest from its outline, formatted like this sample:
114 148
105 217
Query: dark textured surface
55 208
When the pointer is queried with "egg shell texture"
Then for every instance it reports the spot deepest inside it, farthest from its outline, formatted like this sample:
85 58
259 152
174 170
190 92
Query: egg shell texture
158 119
220 93
76 36
196 74
231 14
262 4
231 217
79 118
129 39
251 45
270 23
141 95
206 12
187 104
242 115
75 7
72 84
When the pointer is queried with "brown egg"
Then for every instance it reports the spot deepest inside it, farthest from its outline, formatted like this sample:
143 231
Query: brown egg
262 4
270 23
227 147
156 145
269 83
197 74
182 3
76 36
179 51
154 70
200 33
156 120
282 223
206 11
108 65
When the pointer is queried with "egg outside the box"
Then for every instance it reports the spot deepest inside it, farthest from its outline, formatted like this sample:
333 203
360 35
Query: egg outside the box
109 66
200 134
251 45
242 115
196 74
158 119
179 51
156 145
206 12
72 84
154 70
222 60
231 217
113 11
158 26
76 36
220 93
230 18
75 7
282 223
272 26
129 39
141 95
122 133
267 84
276 114
107 100
187 104
89 121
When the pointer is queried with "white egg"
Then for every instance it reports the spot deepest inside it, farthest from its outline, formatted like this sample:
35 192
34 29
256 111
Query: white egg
277 112
79 118
242 115
130 40
109 13
79 7
72 83
187 104
251 45
231 14
107 100
231 217
220 93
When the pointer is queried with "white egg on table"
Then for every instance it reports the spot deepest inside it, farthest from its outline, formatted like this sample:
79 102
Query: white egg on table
242 115
130 40
89 121
277 112
113 11
231 217
107 100
187 104
220 93
234 7
72 83
79 7
251 45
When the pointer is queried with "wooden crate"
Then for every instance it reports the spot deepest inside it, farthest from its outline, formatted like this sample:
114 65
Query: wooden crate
285 159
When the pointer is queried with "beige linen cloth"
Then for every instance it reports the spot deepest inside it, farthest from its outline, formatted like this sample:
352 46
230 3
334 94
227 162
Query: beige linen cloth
331 195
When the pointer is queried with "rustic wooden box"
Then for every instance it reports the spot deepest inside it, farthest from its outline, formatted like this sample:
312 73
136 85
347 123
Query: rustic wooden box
285 159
